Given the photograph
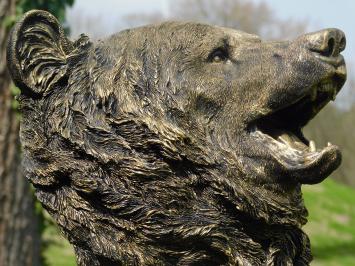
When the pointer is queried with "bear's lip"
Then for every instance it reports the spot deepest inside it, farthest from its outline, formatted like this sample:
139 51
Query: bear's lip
281 133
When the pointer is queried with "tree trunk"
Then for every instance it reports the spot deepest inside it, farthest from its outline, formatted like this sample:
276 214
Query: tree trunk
19 234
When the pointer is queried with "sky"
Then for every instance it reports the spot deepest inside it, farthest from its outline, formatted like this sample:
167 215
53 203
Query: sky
319 14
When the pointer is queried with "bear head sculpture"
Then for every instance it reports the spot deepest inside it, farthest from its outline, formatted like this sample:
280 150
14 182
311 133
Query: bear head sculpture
177 143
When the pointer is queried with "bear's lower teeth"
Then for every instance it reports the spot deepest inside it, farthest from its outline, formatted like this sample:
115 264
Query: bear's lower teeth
312 146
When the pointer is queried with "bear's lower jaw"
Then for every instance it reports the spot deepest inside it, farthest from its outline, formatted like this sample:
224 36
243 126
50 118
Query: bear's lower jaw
306 164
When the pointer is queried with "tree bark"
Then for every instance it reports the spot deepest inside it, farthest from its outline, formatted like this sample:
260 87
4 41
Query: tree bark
19 232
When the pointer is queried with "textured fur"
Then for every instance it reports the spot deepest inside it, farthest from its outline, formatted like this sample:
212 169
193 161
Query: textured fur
137 145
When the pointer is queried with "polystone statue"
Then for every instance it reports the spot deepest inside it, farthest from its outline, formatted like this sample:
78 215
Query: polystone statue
177 143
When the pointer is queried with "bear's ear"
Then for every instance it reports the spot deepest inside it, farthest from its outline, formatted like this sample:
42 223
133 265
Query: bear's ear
37 53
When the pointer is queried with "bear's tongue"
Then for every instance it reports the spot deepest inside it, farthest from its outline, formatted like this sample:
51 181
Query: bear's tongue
290 139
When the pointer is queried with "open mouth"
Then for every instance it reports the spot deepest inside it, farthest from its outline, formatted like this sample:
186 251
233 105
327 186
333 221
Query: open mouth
281 133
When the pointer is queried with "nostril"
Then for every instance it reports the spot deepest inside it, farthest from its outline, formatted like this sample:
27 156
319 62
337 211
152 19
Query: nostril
329 49
328 44
342 44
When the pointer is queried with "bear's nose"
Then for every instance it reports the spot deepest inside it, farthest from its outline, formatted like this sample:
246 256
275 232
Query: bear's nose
328 42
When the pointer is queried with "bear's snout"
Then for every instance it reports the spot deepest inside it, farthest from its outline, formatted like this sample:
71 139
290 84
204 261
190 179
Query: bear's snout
326 44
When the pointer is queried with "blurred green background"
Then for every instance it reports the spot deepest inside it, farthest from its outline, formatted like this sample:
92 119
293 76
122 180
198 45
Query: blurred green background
331 204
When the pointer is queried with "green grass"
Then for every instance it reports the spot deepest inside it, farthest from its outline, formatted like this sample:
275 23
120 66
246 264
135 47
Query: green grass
331 225
58 251
331 228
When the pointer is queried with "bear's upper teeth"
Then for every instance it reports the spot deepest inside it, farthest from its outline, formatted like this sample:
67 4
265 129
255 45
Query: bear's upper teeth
326 87
334 94
314 93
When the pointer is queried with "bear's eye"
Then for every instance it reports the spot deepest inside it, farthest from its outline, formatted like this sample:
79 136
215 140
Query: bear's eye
218 55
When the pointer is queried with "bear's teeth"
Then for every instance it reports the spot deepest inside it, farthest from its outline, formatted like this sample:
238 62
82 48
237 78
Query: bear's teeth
326 87
334 94
312 146
313 93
